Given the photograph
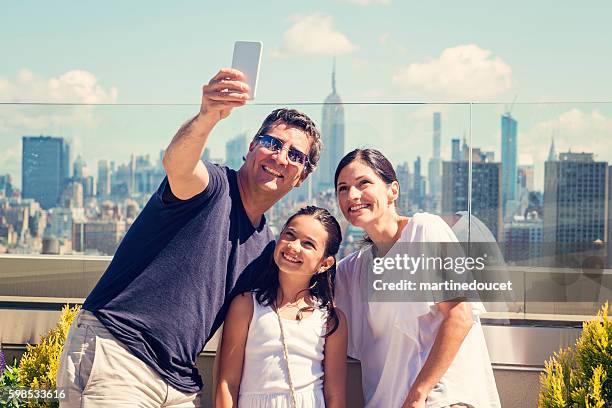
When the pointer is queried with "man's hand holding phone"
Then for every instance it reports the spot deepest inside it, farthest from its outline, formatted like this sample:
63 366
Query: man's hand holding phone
225 91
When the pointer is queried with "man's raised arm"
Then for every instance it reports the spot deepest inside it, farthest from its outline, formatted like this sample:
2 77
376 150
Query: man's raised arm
187 174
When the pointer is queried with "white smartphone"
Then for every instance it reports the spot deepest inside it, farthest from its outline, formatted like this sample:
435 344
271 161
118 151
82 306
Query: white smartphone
247 57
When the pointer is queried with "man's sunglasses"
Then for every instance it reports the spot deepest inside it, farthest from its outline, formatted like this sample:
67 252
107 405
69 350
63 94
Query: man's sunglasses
276 145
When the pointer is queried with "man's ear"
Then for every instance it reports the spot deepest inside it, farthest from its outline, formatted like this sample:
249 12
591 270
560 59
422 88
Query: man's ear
326 264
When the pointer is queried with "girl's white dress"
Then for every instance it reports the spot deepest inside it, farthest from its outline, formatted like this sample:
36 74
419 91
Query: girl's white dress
264 375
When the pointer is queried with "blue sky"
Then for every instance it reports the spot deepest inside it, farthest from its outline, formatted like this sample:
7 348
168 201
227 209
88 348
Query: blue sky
386 51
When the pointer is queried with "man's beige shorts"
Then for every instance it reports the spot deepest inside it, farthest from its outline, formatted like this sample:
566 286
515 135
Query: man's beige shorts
96 370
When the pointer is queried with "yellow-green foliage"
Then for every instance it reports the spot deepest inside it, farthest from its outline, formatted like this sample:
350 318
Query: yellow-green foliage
38 366
581 377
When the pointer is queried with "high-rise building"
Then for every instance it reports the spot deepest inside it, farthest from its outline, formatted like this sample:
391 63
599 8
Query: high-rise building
122 180
456 150
147 176
418 188
72 196
485 191
6 185
552 153
96 235
575 199
332 133
44 167
523 238
79 166
509 159
67 160
103 186
435 163
101 235
235 150
406 184
525 177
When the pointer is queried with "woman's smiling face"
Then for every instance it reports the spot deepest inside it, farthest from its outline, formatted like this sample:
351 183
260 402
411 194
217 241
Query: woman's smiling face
363 196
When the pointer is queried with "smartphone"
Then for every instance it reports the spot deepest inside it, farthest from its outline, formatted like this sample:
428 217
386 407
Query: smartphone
247 57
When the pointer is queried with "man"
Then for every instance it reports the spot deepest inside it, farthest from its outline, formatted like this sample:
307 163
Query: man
159 301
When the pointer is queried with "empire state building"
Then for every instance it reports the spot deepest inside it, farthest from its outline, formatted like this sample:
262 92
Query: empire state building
332 132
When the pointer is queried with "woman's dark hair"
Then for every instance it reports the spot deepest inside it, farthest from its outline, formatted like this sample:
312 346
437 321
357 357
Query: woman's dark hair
375 160
372 158
321 284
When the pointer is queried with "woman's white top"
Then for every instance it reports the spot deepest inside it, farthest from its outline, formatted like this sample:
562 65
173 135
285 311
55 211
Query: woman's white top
264 373
393 339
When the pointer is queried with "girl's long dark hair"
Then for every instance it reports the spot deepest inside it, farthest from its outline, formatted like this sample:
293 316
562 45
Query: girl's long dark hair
321 284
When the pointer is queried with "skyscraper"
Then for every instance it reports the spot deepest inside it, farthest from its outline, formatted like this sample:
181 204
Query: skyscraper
405 181
552 153
509 159
485 191
456 150
103 186
79 165
435 163
44 167
332 132
67 160
575 198
235 149
418 189
525 177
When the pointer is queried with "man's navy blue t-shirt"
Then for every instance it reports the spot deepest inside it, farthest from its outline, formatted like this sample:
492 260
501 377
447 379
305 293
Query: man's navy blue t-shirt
167 286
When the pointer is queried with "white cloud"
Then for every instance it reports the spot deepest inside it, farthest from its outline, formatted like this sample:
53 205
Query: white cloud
75 86
41 115
464 72
365 3
574 130
10 157
314 35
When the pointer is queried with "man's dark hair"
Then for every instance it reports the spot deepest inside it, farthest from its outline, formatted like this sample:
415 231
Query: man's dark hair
295 119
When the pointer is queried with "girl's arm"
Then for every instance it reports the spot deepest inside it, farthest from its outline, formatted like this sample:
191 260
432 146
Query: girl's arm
334 364
233 342
455 326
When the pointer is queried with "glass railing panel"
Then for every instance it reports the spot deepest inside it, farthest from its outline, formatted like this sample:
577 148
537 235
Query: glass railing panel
540 185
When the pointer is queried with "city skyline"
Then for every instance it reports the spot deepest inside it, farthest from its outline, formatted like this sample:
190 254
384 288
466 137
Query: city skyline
73 219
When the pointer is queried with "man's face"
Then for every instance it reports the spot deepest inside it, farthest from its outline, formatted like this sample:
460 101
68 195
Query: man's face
273 172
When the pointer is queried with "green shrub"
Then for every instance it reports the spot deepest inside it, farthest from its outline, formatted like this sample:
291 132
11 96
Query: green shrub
581 376
38 366
9 379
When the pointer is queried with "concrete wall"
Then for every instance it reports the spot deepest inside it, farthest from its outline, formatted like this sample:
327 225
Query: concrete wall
518 388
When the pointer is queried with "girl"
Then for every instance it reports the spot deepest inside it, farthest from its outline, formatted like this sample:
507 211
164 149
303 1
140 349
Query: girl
284 344
413 354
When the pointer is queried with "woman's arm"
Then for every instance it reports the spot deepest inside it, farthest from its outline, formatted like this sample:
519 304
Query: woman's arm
334 364
233 342
455 326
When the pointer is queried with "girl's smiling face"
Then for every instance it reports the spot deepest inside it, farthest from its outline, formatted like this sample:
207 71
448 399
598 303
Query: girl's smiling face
300 248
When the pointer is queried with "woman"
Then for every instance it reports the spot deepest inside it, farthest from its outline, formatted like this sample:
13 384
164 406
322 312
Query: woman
413 354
